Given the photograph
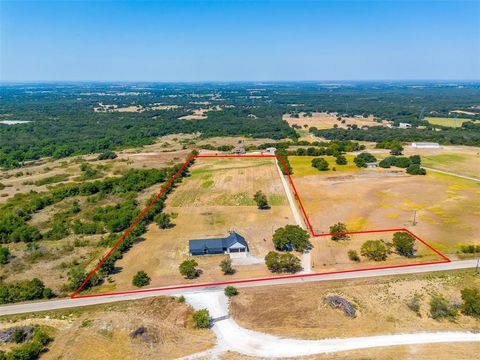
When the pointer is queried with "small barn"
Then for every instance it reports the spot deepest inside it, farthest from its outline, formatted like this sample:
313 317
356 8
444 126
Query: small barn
233 243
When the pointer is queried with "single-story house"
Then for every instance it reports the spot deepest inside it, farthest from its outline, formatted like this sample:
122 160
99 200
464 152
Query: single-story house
425 145
239 150
233 243
405 126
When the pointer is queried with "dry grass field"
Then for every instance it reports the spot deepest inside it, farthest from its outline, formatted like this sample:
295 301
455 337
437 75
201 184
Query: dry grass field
458 351
328 120
216 198
448 122
104 332
381 306
330 255
447 208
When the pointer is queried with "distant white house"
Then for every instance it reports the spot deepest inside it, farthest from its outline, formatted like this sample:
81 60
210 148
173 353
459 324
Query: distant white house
425 145
405 126
270 150
372 165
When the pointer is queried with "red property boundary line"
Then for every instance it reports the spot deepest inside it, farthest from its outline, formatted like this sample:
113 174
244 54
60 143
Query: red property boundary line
302 208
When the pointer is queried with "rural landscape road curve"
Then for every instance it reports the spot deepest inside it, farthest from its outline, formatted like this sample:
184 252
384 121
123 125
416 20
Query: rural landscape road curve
86 301
232 337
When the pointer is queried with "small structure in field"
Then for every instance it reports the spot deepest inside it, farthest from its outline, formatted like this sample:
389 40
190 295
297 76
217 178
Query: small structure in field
425 145
405 126
372 165
270 151
233 243
238 150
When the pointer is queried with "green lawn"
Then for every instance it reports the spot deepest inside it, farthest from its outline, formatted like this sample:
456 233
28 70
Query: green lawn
302 165
450 122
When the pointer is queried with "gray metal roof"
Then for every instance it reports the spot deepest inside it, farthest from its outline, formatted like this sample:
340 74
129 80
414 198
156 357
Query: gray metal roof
218 243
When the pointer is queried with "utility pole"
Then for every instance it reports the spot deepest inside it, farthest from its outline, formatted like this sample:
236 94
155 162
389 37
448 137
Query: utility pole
414 217
476 269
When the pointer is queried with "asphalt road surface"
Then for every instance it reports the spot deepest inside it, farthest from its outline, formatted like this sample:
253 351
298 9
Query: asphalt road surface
71 303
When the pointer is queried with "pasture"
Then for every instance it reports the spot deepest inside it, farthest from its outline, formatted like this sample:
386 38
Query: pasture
446 208
216 198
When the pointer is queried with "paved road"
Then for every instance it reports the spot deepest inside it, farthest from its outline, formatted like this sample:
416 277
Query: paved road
71 303
452 174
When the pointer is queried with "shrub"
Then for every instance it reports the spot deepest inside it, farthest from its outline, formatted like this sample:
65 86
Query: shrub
470 249
4 255
231 291
261 200
471 302
23 291
188 269
320 163
163 220
226 266
353 255
439 308
201 318
404 243
291 237
339 228
415 169
374 250
341 160
362 159
414 304
141 279
181 299
107 155
19 336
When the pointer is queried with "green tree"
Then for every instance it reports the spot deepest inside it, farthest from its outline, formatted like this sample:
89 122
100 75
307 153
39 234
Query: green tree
415 169
141 279
163 220
338 229
374 250
396 149
19 336
107 155
188 269
230 291
76 276
277 262
4 255
261 200
440 308
404 243
415 159
201 318
226 266
471 302
363 158
320 163
341 160
291 237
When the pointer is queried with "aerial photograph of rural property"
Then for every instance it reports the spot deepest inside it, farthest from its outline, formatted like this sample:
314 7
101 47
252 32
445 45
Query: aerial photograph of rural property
240 179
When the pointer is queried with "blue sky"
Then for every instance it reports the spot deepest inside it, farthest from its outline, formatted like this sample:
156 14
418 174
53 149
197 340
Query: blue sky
239 40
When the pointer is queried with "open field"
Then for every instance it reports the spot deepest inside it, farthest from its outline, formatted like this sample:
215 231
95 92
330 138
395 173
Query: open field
328 120
381 306
447 208
458 351
104 332
329 255
449 122
216 198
